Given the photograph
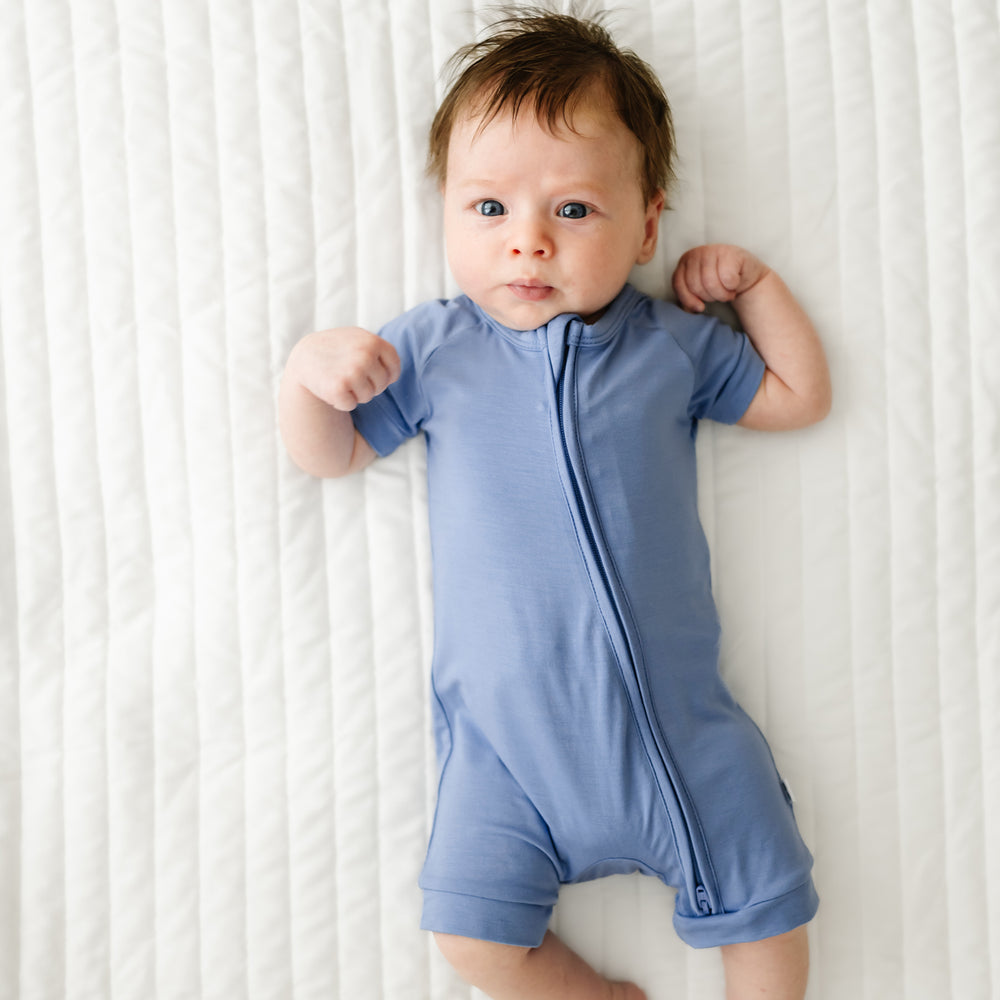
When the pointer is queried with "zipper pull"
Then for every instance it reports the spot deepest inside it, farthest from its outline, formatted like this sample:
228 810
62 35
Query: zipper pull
701 895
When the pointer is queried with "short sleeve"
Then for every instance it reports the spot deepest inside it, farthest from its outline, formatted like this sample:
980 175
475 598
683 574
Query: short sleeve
399 413
726 368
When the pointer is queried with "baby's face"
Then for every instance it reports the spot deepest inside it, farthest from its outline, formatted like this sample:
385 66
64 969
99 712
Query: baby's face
539 223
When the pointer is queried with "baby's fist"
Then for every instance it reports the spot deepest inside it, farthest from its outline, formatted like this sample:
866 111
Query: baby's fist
715 273
345 366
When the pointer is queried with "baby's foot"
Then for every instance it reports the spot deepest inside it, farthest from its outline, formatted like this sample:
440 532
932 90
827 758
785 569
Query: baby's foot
626 991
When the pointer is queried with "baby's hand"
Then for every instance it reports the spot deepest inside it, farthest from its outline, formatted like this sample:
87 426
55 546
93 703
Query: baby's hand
715 273
345 366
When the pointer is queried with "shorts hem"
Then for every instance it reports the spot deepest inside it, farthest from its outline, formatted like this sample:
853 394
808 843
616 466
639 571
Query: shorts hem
754 923
497 920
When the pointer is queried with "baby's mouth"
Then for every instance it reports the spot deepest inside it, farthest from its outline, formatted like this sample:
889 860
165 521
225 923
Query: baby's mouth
530 291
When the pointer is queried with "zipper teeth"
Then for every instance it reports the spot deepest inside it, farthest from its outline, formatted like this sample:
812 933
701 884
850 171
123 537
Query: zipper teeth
701 893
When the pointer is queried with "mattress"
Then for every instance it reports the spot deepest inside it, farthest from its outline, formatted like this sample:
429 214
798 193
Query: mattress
216 770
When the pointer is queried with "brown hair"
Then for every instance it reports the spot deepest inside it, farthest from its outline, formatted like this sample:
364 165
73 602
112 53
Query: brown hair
552 61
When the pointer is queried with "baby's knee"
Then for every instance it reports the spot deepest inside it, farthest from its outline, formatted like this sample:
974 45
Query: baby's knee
476 960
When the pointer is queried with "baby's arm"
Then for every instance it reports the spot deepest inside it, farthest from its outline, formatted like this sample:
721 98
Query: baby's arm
328 374
795 390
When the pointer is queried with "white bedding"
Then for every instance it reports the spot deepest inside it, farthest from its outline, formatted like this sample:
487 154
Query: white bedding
215 769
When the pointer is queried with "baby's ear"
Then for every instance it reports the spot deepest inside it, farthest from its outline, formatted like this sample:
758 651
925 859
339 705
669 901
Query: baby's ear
654 209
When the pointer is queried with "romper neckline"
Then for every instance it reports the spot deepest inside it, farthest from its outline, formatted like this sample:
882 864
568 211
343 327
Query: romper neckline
568 325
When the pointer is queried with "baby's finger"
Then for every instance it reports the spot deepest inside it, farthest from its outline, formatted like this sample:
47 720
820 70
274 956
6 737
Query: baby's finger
343 395
345 391
730 270
711 276
686 275
378 367
687 299
389 358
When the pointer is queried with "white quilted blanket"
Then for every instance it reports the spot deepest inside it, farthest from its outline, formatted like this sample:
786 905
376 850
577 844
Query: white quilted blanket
215 770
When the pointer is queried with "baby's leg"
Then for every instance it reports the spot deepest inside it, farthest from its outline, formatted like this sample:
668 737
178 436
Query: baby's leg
550 971
776 968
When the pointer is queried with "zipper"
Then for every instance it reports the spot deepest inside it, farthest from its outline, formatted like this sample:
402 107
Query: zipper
702 897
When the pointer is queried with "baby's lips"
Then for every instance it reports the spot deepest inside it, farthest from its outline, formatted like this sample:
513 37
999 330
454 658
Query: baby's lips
530 291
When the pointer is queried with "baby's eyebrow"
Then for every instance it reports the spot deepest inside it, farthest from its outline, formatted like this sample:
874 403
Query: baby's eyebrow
572 186
583 187
477 182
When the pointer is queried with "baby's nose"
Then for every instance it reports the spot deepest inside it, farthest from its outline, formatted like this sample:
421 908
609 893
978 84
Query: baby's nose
531 240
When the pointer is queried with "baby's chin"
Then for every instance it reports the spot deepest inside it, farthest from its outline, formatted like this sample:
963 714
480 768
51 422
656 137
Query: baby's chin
526 316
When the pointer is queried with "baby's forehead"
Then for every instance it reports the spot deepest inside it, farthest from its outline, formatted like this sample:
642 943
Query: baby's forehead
592 147
555 113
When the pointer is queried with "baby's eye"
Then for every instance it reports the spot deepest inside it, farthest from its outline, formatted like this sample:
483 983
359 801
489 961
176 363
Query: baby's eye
490 207
573 210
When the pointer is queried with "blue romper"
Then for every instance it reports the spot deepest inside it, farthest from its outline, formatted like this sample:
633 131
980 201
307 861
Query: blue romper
581 723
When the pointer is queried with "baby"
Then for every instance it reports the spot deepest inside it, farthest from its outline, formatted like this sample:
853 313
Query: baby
581 722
